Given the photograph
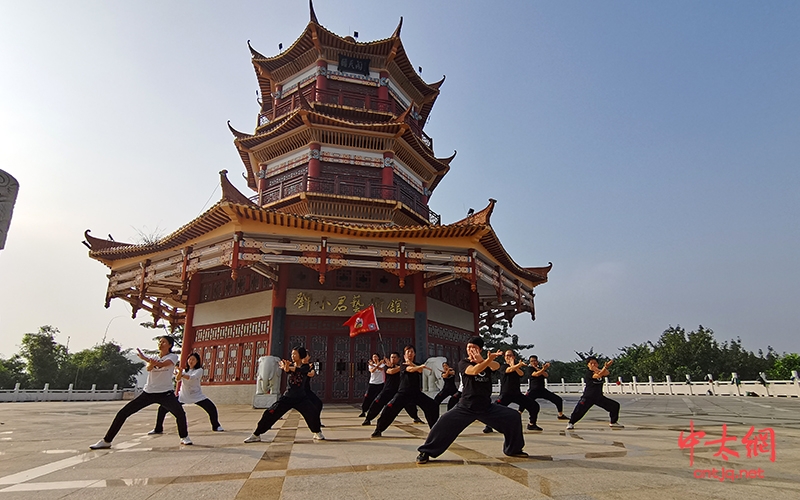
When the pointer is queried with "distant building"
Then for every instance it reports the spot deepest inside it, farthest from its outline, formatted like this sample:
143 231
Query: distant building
341 172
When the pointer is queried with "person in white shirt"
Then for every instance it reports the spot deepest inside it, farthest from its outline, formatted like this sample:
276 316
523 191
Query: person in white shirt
377 377
190 393
157 390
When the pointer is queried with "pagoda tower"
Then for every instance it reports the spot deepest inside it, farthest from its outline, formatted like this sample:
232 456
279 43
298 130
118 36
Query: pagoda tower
340 132
341 172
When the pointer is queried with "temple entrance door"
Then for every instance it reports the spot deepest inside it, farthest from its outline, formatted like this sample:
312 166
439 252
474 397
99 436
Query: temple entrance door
350 375
340 363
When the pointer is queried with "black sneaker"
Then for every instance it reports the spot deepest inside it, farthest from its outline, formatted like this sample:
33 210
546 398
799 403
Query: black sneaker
423 458
519 454
376 434
534 427
366 422
418 421
487 430
362 415
563 417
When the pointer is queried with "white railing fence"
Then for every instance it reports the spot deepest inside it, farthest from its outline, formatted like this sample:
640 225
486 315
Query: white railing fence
708 387
16 394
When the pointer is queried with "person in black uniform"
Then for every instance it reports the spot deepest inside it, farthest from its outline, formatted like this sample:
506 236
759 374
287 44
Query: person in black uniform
295 397
409 393
536 386
390 387
475 404
449 389
510 376
593 395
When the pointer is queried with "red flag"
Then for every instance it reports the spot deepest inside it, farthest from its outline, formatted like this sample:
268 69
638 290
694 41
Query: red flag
363 321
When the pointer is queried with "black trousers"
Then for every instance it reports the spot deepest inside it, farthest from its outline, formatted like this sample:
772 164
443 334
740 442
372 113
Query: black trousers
441 395
205 404
524 402
167 400
545 394
453 400
272 414
452 423
403 400
372 392
586 402
382 399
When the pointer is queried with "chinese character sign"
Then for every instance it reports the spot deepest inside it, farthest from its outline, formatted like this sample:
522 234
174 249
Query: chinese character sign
341 303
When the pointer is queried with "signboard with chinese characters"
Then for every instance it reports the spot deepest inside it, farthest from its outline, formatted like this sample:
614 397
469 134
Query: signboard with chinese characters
349 64
346 303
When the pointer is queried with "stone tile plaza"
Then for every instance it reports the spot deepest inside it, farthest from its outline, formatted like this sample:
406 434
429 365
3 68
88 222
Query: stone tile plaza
40 460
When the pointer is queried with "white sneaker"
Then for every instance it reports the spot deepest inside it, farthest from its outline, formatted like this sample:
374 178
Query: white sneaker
318 436
219 429
154 432
253 438
186 440
100 445
570 427
616 425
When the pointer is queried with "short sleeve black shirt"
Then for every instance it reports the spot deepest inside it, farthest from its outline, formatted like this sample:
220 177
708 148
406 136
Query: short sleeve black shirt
534 383
477 392
392 382
509 381
295 382
410 381
594 386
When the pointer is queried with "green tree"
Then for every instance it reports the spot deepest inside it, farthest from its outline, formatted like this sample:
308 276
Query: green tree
498 337
12 371
571 371
784 365
176 334
45 358
105 365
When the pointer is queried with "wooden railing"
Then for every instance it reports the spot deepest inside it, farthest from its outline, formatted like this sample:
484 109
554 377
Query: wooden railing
366 189
345 98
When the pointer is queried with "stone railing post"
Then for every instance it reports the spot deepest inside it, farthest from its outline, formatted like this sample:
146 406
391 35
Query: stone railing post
635 387
669 385
735 382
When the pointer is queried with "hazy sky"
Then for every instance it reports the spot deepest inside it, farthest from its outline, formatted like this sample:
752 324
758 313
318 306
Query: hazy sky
650 150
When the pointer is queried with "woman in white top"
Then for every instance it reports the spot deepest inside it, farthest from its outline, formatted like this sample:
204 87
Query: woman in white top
157 390
190 393
377 377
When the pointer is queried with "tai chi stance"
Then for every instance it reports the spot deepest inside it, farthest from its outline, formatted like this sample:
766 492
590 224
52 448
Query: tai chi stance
593 395
512 372
537 389
449 389
190 393
390 387
377 377
157 390
475 404
295 397
409 393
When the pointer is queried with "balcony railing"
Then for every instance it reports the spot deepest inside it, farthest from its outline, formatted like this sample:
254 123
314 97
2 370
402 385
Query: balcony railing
335 186
345 98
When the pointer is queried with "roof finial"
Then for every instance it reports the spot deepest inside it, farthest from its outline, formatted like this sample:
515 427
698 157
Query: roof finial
397 30
312 13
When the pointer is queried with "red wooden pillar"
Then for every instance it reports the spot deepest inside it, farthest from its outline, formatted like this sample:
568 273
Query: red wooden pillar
387 175
383 88
420 316
314 166
188 327
322 78
278 320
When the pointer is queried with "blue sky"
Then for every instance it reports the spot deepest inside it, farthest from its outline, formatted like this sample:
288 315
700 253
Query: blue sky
648 149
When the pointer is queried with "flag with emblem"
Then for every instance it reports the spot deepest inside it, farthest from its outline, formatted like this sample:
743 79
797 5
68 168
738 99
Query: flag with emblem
364 321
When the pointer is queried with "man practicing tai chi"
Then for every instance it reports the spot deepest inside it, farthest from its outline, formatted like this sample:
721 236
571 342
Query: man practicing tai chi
537 389
449 388
157 390
295 397
409 393
510 377
390 387
377 377
475 404
593 395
